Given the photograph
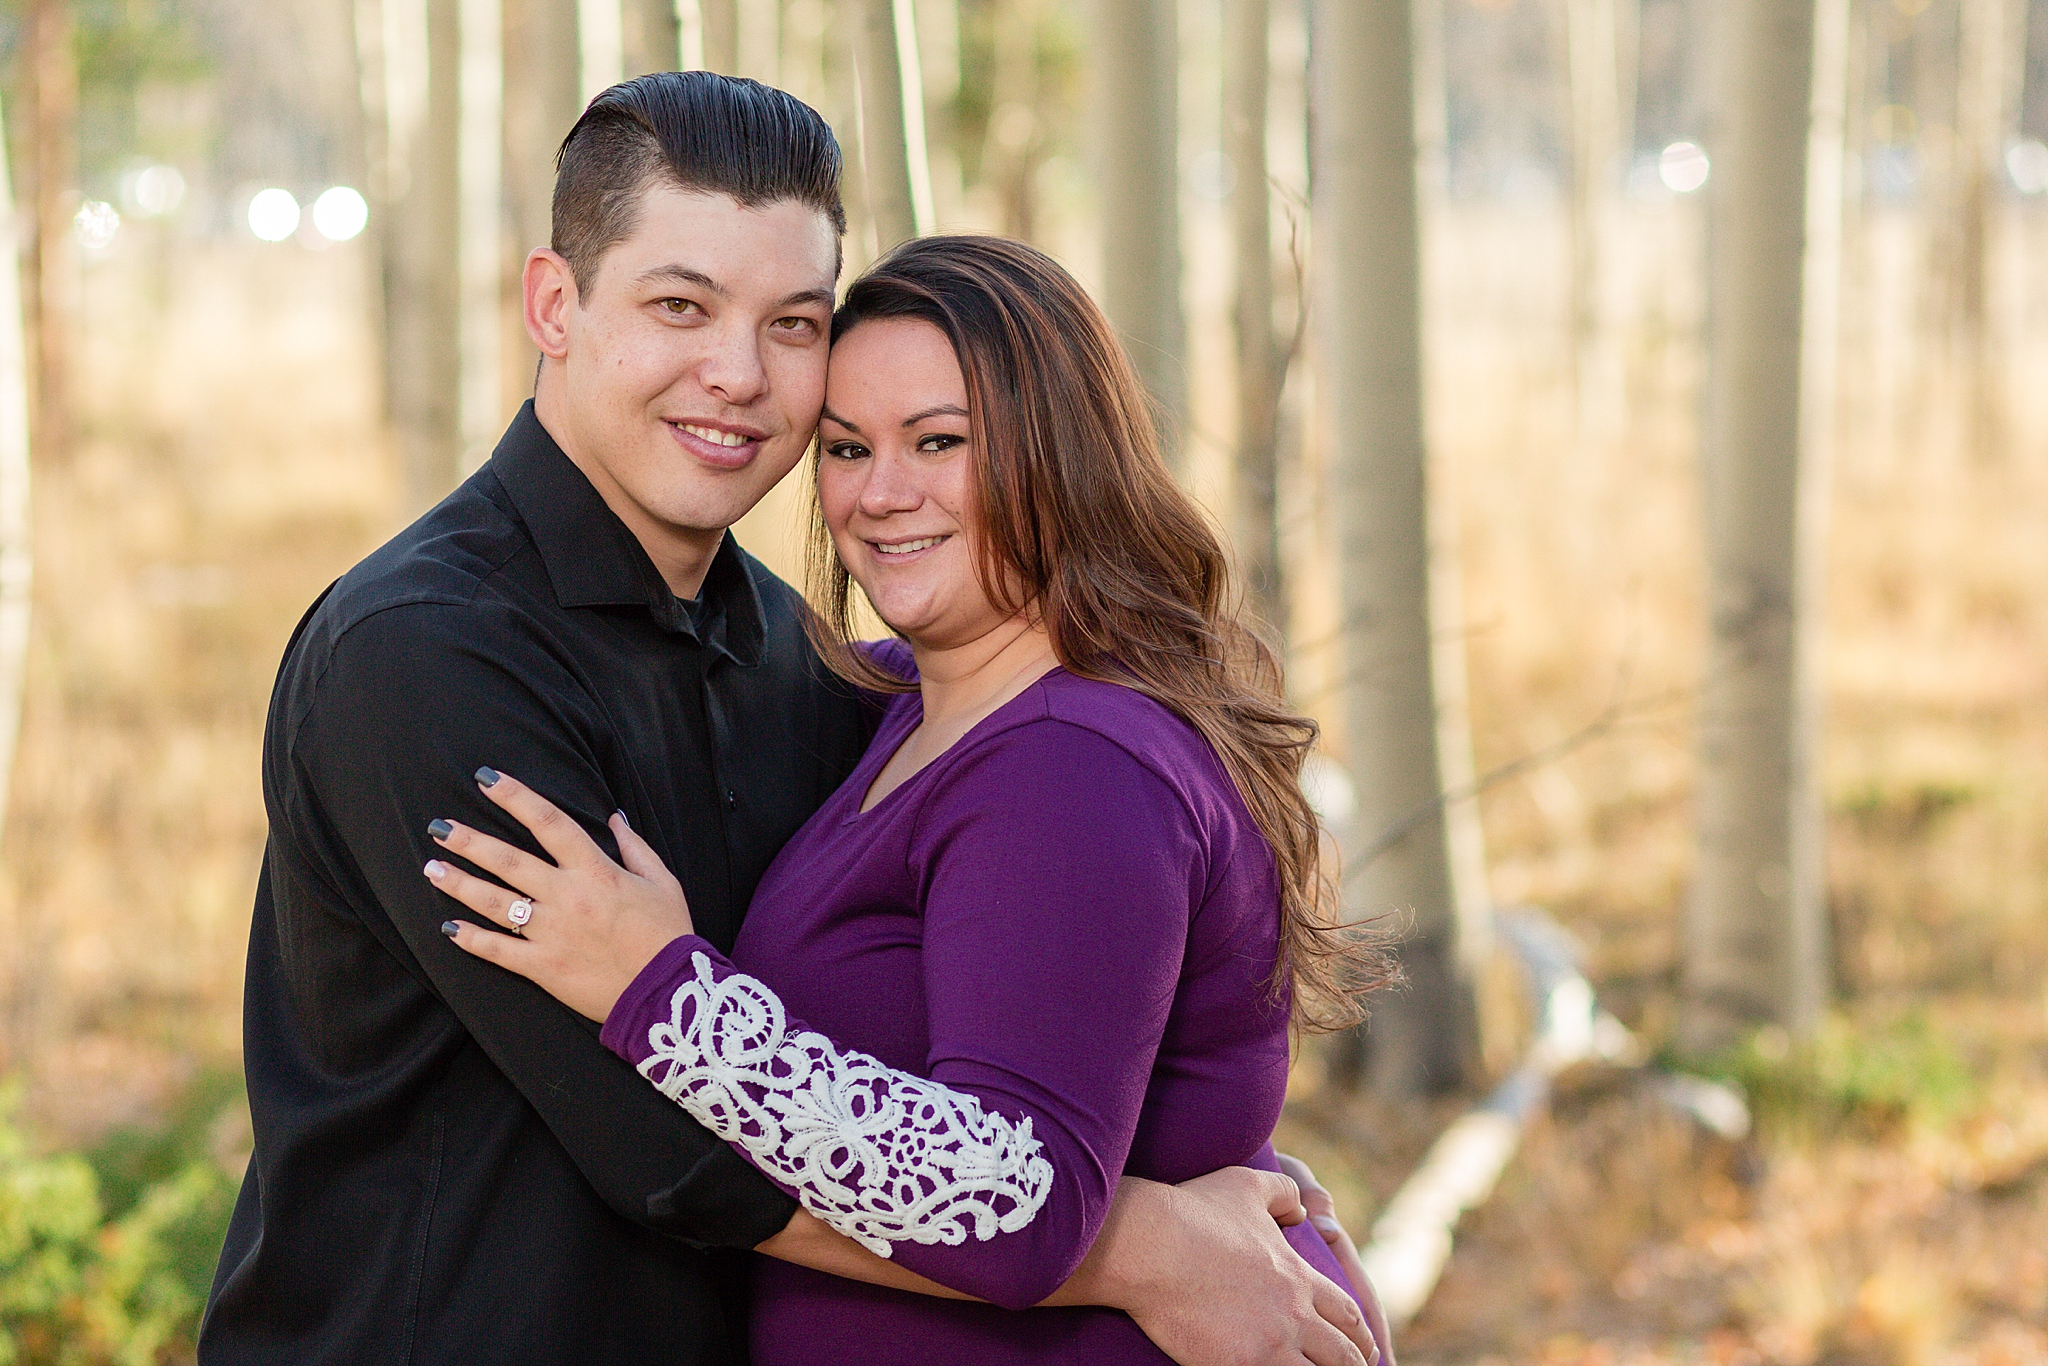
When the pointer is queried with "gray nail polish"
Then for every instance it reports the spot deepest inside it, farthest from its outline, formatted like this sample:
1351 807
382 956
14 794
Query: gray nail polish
487 776
451 928
622 819
439 828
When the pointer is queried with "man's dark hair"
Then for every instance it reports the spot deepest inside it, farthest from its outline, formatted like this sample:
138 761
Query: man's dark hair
694 130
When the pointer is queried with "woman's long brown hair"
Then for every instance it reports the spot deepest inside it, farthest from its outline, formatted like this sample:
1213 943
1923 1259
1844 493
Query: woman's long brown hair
1083 524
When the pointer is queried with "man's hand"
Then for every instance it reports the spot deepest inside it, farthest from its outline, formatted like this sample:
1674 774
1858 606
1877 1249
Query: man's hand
1322 1213
1204 1270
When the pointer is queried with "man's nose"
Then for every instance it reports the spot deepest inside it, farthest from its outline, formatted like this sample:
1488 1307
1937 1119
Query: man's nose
732 369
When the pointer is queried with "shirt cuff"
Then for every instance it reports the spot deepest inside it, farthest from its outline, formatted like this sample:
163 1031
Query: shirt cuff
646 1002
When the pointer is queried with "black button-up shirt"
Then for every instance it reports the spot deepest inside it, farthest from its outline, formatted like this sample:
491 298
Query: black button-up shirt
448 1167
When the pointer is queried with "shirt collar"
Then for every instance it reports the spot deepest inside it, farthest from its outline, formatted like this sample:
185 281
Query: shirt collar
593 560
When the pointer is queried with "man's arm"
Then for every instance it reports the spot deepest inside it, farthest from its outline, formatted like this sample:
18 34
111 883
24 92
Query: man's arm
413 701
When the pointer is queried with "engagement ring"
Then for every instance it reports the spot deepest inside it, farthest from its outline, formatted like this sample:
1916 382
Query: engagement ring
519 912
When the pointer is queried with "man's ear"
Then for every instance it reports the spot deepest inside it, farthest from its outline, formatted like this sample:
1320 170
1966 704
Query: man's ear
550 289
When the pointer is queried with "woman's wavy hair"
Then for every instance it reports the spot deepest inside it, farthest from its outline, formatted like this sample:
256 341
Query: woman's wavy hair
1083 524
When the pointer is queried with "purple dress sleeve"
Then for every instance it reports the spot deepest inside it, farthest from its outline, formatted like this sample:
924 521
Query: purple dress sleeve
1058 874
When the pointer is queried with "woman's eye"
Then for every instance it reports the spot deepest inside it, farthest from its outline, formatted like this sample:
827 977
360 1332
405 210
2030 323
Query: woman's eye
939 441
846 450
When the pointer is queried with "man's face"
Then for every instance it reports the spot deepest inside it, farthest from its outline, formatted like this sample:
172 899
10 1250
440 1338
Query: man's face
694 368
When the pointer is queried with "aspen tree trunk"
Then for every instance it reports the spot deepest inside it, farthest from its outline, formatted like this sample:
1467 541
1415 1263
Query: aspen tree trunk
480 166
1259 360
16 546
1369 332
1592 33
899 186
1137 82
1756 929
600 44
542 68
417 226
721 21
1992 49
53 261
757 41
652 39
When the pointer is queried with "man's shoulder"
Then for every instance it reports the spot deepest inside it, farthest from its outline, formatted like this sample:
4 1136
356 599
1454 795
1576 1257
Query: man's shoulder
425 587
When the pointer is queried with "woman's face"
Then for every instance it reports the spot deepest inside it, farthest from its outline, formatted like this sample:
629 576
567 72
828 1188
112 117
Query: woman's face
895 480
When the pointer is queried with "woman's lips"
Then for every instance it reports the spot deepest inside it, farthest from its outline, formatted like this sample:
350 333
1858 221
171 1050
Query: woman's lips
902 552
719 447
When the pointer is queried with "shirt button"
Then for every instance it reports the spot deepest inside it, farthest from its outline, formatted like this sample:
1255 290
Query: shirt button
732 799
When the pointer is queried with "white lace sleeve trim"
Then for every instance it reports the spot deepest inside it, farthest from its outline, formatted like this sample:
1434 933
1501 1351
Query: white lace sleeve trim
880 1155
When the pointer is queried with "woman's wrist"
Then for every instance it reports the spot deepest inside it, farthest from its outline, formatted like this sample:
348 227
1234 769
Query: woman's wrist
646 996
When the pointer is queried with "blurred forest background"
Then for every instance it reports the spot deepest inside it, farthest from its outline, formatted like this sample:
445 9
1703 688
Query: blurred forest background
240 384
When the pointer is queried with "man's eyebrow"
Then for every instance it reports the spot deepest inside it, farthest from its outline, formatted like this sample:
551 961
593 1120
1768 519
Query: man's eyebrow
822 297
682 275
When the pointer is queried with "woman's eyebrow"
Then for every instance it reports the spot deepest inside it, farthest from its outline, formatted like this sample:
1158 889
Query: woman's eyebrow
827 415
942 410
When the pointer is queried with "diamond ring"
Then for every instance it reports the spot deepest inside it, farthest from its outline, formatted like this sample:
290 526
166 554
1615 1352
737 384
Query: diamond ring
519 912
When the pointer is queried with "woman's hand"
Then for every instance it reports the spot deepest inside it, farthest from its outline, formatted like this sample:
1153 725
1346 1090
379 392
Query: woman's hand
587 926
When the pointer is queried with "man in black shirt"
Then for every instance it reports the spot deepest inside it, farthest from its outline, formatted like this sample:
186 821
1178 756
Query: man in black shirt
447 1166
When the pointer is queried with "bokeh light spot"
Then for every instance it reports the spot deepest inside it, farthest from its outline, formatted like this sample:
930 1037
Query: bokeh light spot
340 213
2027 163
273 215
1683 167
157 190
97 223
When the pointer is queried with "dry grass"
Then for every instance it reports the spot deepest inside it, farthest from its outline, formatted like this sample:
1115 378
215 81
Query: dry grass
230 467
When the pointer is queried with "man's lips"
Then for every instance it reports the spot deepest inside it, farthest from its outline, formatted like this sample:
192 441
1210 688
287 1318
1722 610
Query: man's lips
717 444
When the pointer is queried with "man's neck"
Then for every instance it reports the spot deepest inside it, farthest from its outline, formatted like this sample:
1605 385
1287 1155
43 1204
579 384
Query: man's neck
681 555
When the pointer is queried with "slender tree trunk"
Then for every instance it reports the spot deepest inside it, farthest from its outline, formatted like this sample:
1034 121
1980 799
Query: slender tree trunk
16 546
1592 33
600 44
1369 330
1991 46
480 165
541 66
652 39
899 186
53 262
757 40
1756 932
417 135
721 21
1137 82
1259 358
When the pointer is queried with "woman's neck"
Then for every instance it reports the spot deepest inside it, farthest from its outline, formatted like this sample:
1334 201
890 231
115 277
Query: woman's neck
963 683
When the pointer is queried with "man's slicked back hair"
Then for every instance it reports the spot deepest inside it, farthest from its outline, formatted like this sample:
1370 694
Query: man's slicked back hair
693 130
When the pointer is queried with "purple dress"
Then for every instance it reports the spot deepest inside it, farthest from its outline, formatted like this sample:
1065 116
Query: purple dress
1039 963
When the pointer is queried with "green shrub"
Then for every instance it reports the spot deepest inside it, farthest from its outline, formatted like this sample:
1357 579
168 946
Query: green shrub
88 1281
1871 1078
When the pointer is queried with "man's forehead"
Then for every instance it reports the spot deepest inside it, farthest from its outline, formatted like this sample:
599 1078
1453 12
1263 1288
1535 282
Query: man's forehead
710 239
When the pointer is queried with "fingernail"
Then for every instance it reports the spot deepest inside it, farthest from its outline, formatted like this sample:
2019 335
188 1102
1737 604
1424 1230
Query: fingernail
439 828
487 776
436 869
1324 1223
451 928
622 819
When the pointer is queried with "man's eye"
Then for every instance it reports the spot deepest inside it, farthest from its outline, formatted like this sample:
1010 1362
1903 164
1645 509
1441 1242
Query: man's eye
679 307
798 325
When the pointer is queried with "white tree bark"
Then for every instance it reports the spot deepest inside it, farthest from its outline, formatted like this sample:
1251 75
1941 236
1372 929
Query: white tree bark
1246 76
16 546
1136 77
1756 928
893 153
481 168
1369 329
600 45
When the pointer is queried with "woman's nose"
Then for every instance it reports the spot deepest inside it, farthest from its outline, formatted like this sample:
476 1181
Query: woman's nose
891 486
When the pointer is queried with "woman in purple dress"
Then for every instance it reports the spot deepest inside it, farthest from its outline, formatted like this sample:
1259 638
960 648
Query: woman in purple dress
1054 930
